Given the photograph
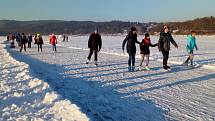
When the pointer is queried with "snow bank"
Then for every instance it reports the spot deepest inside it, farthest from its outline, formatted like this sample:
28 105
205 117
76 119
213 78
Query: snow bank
23 97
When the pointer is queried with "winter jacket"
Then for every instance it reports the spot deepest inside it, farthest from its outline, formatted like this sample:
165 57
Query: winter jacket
38 40
53 40
144 46
95 42
191 43
131 40
164 41
30 38
23 39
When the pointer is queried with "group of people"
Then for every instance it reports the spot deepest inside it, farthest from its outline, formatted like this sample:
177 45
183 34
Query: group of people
22 40
95 44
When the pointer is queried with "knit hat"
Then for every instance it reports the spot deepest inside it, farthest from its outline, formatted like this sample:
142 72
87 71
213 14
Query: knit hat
147 35
133 29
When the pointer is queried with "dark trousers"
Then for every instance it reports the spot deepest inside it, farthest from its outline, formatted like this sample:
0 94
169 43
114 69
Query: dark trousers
23 45
95 54
54 47
165 58
131 59
29 44
39 46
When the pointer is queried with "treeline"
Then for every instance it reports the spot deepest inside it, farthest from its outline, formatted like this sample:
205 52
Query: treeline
204 25
68 27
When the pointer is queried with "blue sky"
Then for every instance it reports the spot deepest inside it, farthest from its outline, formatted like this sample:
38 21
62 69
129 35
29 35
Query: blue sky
106 10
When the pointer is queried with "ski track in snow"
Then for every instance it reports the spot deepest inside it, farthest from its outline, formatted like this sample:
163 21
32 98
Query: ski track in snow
110 93
24 97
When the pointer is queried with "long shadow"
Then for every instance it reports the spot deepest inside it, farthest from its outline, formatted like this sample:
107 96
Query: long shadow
177 68
206 61
88 72
185 55
137 83
91 67
198 79
76 90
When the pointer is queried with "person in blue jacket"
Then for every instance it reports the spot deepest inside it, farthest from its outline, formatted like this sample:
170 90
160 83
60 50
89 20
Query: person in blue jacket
191 45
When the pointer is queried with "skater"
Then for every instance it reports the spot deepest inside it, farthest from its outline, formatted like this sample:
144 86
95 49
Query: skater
12 44
131 39
18 39
23 42
39 41
191 44
164 45
53 42
95 45
145 51
29 40
64 37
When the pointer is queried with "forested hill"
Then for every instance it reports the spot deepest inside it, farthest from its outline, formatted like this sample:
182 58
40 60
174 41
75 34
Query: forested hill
70 27
204 25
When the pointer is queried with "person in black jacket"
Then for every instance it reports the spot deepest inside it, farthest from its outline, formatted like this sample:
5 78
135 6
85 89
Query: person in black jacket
23 42
145 51
164 45
131 40
29 40
95 45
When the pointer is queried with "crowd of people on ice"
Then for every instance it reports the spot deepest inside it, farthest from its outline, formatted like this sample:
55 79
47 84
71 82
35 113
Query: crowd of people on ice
23 39
95 45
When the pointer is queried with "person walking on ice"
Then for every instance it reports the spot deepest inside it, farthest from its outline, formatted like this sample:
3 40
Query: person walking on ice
53 42
39 41
191 45
23 42
95 45
131 40
145 51
29 40
164 45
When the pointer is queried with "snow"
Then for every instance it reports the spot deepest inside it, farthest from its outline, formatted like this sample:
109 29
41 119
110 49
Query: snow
24 97
110 93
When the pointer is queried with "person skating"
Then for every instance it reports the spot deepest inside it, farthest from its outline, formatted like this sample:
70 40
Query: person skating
39 41
95 45
23 42
29 40
18 39
145 51
53 42
191 45
12 44
131 40
164 45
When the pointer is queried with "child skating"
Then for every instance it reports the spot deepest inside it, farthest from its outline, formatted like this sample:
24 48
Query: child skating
145 51
191 45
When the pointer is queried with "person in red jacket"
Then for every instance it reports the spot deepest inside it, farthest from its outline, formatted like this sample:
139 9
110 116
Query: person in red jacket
53 42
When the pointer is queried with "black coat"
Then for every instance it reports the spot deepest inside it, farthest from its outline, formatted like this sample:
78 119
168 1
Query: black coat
144 48
24 39
38 40
95 42
131 40
164 41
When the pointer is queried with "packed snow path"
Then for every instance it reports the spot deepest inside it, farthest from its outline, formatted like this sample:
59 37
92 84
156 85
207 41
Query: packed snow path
110 93
26 98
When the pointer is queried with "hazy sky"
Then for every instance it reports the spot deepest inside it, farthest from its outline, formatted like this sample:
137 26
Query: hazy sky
107 10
